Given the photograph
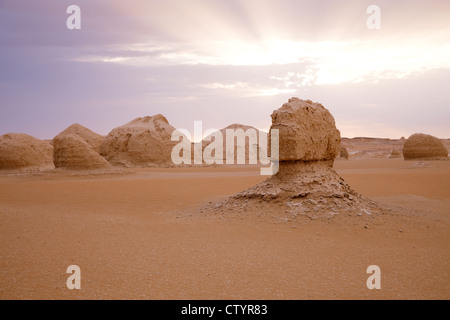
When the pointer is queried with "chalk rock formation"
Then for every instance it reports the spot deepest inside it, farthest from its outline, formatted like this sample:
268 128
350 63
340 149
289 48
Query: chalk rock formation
245 151
308 144
307 131
305 184
344 153
142 142
21 151
73 152
424 146
92 138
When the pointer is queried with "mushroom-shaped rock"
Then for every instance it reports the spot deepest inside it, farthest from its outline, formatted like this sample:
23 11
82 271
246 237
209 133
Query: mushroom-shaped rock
305 183
424 146
21 151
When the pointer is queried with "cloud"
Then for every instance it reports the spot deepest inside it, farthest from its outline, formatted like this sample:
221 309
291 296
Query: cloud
329 62
218 85
248 90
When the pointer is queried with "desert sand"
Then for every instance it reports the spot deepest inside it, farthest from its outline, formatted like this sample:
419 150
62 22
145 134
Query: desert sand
145 233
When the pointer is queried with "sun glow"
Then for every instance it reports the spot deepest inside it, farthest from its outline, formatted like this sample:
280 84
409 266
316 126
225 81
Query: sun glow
327 62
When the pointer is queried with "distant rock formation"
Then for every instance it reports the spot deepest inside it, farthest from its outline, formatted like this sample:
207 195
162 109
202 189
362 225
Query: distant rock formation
21 151
395 154
370 148
142 142
343 153
243 152
424 146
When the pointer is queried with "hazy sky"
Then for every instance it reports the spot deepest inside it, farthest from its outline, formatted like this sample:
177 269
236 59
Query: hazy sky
224 61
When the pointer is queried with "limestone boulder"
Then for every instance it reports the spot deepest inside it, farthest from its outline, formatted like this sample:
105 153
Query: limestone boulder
424 146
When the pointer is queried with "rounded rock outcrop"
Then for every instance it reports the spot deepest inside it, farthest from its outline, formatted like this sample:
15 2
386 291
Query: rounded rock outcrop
74 153
142 142
21 151
307 131
92 138
424 146
245 148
